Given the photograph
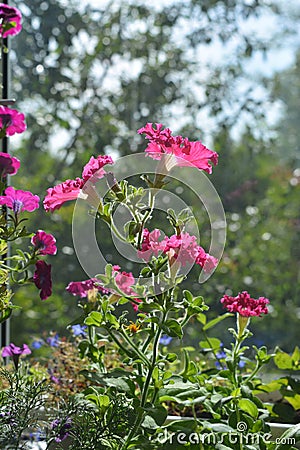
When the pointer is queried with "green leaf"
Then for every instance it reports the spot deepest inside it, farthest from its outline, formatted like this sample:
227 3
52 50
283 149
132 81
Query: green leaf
214 322
173 328
201 318
95 318
249 407
210 344
155 417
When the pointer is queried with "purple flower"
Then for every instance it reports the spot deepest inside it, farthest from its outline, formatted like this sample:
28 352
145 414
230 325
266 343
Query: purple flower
61 428
53 341
19 200
8 164
11 121
79 330
165 339
42 279
44 243
15 352
10 20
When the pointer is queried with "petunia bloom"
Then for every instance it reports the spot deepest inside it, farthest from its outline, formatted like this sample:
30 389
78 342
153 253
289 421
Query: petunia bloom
244 305
44 243
185 152
9 165
19 200
81 288
15 352
10 20
183 248
63 192
42 279
150 244
11 121
94 168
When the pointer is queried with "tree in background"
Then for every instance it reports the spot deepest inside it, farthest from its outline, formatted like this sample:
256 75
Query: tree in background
90 77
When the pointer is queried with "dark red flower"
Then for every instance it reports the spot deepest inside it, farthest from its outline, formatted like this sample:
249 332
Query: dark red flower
9 165
42 279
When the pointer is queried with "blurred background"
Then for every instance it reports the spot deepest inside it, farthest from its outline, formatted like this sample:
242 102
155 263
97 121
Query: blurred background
88 74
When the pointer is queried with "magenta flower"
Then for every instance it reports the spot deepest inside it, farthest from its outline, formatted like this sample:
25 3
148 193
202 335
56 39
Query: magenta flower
94 168
183 248
19 200
203 259
244 305
11 121
81 288
9 165
63 192
150 244
186 153
10 20
15 352
42 279
44 243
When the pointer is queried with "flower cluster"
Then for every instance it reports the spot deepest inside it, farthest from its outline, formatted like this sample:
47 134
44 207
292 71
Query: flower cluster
186 153
244 305
182 247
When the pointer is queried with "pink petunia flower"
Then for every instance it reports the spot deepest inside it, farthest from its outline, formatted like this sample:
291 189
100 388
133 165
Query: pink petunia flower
94 168
183 248
9 165
244 305
10 20
11 121
42 279
125 281
81 288
15 352
186 153
44 243
203 259
150 244
19 200
63 192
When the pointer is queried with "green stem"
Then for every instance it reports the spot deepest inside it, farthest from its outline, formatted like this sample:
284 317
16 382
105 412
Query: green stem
256 369
116 232
146 217
134 347
146 386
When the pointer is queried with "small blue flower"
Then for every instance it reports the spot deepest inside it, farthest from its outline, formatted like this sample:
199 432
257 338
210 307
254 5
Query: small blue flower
79 330
53 341
165 339
37 343
242 364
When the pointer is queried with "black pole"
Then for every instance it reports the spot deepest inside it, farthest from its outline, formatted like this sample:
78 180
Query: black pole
5 326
